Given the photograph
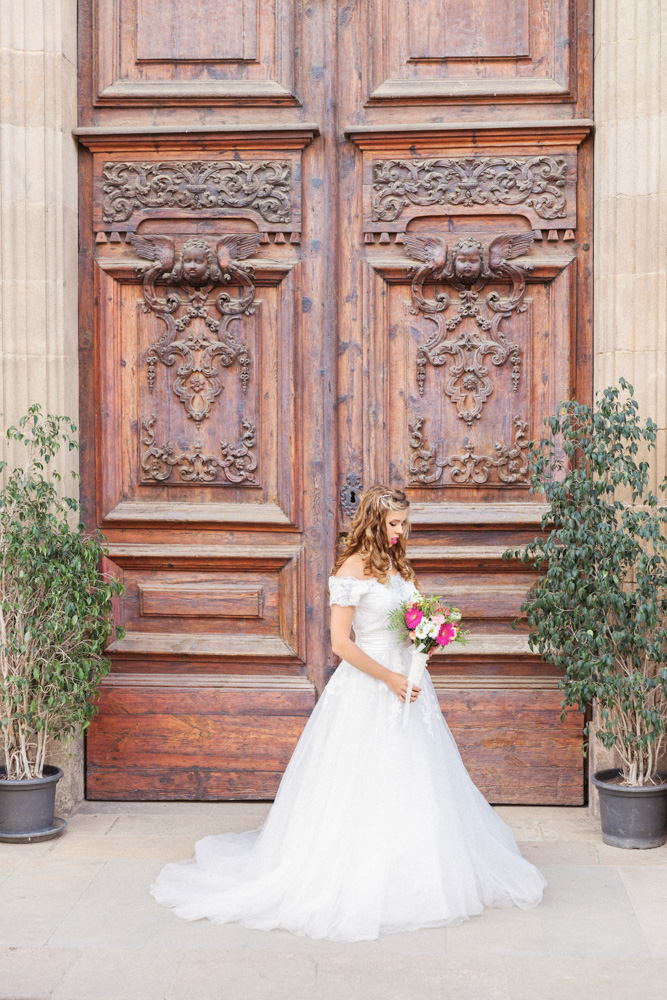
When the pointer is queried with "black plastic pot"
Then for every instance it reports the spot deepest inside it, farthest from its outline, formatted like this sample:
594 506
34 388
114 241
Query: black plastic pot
27 807
632 817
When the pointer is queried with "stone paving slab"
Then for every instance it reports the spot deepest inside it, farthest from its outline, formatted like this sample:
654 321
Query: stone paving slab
77 922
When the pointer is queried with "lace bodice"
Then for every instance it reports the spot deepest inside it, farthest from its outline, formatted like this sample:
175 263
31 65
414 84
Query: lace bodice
373 602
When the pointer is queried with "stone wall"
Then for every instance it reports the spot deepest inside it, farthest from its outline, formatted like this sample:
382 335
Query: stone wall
38 235
631 216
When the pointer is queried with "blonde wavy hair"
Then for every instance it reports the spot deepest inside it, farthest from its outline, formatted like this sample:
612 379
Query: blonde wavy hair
368 535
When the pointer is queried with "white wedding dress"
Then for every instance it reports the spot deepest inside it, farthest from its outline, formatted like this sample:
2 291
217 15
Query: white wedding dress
375 827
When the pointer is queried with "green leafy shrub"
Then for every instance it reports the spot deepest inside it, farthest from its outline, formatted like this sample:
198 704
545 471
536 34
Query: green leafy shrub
598 610
55 604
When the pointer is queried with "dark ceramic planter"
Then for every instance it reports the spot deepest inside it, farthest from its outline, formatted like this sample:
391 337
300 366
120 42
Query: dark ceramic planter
632 817
27 807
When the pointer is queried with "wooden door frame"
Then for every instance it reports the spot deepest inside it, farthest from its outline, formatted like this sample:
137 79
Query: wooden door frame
348 117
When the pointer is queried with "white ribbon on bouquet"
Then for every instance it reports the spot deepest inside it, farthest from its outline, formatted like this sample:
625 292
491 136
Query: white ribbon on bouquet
415 674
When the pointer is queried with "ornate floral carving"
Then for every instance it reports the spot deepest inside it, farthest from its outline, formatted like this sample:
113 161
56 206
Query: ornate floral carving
467 270
535 181
265 186
191 276
469 467
237 464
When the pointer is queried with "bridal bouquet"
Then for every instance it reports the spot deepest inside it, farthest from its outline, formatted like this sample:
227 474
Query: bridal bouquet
428 622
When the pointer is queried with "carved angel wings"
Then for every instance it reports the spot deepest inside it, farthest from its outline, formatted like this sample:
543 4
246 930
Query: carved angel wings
236 247
428 249
507 247
161 250
435 257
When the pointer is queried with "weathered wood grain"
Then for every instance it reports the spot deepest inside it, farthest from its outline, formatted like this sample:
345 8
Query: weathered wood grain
226 607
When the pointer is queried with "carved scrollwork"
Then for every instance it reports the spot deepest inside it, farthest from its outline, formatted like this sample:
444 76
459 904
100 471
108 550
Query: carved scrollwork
265 186
191 277
469 467
469 346
237 462
538 182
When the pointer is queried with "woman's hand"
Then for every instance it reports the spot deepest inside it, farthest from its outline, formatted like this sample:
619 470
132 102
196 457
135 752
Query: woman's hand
398 683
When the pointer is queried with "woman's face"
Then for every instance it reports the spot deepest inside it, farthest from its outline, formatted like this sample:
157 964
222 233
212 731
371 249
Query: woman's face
394 522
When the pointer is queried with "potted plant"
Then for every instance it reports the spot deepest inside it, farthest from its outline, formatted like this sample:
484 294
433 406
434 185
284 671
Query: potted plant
598 610
55 624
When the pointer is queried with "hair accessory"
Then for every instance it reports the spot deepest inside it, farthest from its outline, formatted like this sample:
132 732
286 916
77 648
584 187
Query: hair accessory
386 500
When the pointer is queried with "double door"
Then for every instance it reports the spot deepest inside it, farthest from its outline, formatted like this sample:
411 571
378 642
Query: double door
323 245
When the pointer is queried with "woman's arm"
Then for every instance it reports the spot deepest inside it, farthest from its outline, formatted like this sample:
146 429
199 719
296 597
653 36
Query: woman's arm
343 646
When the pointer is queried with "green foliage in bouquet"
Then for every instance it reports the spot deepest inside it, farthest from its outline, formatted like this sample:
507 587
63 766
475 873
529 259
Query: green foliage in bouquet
599 608
55 604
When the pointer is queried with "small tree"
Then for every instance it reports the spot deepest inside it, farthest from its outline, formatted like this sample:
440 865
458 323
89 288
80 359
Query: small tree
599 608
55 604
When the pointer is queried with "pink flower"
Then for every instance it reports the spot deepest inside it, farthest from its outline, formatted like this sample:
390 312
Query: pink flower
413 616
446 634
439 619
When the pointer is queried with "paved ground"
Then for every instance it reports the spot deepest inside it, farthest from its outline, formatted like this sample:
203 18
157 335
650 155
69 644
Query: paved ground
77 923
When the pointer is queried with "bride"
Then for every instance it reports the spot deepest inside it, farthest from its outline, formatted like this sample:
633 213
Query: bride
375 827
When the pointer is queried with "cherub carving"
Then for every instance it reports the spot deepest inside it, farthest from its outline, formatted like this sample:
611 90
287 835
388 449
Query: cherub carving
468 265
467 262
467 269
194 271
197 266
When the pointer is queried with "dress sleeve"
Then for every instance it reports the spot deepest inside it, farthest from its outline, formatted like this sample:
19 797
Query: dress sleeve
347 590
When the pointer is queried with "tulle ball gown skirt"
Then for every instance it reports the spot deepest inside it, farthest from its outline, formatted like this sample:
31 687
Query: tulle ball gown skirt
376 827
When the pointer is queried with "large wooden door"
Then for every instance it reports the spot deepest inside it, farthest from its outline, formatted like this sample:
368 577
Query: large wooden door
323 245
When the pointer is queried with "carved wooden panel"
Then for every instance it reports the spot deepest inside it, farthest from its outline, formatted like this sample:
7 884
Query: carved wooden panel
203 31
196 265
487 29
264 189
473 271
272 319
476 296
196 262
465 382
194 401
200 52
201 598
195 736
207 696
502 704
247 604
541 188
425 50
512 741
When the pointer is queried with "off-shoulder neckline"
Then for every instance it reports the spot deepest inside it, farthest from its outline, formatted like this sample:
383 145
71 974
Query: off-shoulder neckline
367 579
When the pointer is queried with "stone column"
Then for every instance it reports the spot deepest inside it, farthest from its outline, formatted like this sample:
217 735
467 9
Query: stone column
38 235
631 214
631 204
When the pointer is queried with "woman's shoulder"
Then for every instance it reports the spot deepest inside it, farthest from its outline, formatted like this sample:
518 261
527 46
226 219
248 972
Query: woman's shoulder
349 584
353 566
